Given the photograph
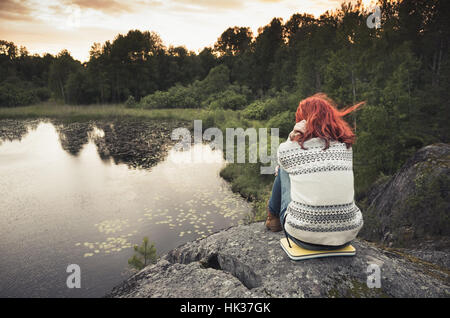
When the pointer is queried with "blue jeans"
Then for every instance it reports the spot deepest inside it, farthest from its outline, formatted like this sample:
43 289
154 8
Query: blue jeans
278 203
281 195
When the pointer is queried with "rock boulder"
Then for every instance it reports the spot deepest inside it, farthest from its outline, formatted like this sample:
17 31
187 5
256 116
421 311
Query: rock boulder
247 261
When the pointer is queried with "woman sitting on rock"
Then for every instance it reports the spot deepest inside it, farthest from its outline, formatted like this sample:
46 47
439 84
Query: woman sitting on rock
313 195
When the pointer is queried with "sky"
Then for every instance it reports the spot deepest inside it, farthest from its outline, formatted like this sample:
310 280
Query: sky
53 25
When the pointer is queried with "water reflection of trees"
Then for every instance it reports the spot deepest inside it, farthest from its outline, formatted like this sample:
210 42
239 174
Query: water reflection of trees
11 130
73 136
136 143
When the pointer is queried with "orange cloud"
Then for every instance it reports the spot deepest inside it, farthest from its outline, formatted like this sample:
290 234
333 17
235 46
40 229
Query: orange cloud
14 10
107 6
216 4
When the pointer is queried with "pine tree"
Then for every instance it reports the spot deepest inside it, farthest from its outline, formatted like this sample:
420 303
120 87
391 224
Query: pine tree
144 255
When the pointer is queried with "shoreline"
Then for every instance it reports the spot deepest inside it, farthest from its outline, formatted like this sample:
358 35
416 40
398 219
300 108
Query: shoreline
96 112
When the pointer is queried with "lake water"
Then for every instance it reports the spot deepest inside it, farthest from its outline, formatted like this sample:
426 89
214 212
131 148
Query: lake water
59 208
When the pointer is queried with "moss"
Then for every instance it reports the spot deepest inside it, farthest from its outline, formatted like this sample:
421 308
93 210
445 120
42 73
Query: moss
427 208
431 269
360 290
357 289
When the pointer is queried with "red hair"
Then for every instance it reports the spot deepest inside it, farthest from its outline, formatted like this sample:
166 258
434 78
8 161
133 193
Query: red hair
324 120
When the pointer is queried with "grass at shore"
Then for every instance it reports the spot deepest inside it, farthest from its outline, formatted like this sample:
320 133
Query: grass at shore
244 178
96 112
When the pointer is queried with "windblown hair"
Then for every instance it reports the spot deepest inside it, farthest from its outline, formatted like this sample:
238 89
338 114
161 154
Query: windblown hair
324 120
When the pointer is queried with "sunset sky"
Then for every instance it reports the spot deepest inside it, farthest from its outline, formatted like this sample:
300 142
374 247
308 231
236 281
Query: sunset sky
52 25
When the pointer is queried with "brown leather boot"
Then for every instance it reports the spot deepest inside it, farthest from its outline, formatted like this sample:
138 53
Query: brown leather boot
272 222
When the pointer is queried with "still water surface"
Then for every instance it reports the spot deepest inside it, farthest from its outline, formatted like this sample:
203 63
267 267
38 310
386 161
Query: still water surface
57 208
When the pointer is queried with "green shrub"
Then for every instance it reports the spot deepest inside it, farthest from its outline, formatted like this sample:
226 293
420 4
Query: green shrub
177 96
228 99
271 106
246 179
213 92
255 110
12 95
155 100
285 121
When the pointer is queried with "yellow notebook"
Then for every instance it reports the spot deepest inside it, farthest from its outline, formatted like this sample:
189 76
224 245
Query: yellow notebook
298 253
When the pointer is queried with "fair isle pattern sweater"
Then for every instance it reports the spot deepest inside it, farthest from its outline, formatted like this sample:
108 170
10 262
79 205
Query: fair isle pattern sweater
322 208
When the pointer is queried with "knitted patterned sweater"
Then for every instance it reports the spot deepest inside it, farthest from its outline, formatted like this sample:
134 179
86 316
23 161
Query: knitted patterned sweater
322 208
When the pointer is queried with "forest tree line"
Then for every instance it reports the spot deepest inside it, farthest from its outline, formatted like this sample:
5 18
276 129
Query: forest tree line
401 69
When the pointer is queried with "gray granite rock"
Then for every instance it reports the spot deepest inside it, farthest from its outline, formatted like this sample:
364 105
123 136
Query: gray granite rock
410 209
247 261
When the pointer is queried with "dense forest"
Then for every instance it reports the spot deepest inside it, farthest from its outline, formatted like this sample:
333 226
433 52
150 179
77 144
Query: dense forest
400 69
